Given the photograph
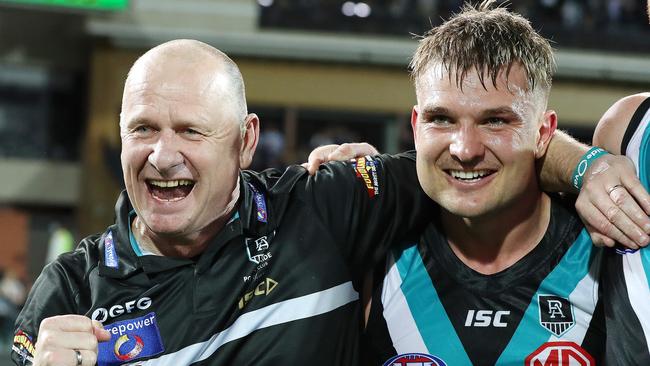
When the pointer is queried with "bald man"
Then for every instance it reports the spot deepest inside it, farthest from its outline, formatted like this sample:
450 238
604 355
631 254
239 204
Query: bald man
206 263
210 264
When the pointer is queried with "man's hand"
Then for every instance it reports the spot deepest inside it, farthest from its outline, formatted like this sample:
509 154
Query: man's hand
323 154
613 203
59 338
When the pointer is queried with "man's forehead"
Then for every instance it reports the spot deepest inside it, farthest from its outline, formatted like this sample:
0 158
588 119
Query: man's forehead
178 79
437 75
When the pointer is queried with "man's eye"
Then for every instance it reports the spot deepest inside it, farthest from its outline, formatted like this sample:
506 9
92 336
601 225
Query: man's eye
438 120
142 129
190 132
495 121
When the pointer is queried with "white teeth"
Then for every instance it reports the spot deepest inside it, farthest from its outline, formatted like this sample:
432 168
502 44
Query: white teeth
170 183
468 175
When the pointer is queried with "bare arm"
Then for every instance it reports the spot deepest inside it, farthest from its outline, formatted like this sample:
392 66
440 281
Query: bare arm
556 168
618 215
609 135
610 214
611 127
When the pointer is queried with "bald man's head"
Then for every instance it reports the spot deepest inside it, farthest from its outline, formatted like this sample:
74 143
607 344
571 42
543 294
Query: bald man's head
180 63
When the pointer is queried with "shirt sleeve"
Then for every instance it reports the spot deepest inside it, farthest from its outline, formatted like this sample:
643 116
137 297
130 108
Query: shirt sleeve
51 295
369 204
626 278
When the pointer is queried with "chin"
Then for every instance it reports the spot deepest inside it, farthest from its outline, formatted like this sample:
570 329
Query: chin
165 225
465 210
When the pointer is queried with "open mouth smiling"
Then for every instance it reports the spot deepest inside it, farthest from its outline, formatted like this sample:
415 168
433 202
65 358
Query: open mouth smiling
170 190
471 175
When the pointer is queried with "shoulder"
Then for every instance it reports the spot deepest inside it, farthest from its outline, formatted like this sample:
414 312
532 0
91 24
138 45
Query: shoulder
73 267
613 124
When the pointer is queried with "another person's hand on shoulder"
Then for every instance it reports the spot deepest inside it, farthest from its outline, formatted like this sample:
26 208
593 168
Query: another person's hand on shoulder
614 204
69 340
334 152
613 199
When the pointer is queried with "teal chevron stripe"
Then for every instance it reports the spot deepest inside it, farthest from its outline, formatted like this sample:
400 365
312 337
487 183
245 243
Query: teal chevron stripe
529 335
430 316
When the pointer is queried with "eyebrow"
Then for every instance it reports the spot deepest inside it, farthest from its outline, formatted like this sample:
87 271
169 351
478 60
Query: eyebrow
135 121
435 110
501 111
492 111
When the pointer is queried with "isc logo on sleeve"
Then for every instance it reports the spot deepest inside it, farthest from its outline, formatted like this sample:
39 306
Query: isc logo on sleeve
131 339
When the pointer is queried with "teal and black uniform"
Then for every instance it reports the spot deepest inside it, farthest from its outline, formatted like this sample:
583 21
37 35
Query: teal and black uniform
627 274
542 310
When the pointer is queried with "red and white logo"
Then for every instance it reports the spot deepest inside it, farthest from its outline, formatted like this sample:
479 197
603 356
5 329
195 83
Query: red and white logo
560 354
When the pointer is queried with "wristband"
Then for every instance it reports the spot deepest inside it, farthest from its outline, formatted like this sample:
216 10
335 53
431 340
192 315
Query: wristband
585 161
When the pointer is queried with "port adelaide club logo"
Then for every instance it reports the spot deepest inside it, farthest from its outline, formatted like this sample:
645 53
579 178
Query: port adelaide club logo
555 314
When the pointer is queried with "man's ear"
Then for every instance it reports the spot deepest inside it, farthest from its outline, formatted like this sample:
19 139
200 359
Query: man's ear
250 138
545 132
414 121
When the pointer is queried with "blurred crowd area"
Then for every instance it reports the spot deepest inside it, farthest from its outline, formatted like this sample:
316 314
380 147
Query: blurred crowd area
12 297
620 25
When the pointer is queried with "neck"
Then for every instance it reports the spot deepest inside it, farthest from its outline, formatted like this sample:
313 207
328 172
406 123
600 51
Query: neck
488 246
185 245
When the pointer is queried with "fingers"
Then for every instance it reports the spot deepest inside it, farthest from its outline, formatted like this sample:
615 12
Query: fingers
66 357
67 323
641 196
344 152
68 340
351 151
101 334
614 202
599 239
620 196
599 225
88 358
319 156
59 337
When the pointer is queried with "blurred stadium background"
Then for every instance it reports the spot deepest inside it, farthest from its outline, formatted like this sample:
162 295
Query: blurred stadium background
316 72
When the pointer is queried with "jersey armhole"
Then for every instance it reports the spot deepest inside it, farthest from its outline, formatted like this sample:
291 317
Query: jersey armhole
634 124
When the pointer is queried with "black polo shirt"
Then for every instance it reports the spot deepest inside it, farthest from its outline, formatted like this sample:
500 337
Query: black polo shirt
277 285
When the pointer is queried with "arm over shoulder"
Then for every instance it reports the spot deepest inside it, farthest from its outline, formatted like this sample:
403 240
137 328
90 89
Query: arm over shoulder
611 129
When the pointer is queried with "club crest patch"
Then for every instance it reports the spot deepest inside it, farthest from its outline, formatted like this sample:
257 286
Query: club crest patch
555 314
258 248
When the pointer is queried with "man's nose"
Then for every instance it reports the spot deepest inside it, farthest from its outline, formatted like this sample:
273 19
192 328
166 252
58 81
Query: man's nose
467 145
166 152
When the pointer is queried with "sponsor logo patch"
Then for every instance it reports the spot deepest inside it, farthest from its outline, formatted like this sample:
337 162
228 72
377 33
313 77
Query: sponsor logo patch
366 170
415 359
560 354
23 347
260 204
110 255
487 318
263 288
555 314
131 339
102 314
